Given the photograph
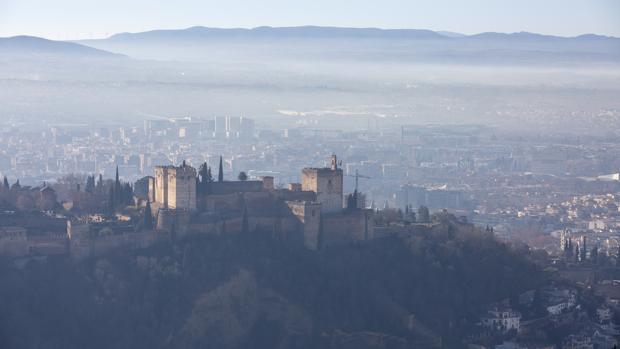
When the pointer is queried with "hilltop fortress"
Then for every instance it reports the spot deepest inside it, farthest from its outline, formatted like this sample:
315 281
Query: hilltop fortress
177 201
312 211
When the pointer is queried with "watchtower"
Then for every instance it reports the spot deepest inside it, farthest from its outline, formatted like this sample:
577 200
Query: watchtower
327 183
175 187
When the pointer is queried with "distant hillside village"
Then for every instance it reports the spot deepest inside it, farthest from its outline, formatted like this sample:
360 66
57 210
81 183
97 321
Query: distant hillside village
178 200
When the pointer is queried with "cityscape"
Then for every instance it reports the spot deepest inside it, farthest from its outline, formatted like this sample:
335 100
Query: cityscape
311 186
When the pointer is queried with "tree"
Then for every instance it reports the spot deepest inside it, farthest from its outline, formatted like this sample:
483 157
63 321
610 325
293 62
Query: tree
245 224
111 205
116 191
220 174
583 250
205 173
100 184
350 200
6 183
423 215
148 216
242 176
90 184
126 197
594 255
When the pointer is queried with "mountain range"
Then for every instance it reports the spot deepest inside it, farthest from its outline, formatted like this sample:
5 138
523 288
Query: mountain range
316 32
331 44
204 44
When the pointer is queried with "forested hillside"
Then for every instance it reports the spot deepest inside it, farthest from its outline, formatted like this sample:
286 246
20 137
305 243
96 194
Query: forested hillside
257 292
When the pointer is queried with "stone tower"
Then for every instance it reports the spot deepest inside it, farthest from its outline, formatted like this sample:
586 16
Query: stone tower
175 187
327 183
309 214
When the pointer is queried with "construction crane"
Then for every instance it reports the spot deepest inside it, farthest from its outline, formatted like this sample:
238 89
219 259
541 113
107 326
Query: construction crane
357 178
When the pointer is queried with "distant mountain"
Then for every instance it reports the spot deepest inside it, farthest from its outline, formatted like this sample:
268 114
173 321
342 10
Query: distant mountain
303 32
527 36
331 44
35 46
451 34
316 32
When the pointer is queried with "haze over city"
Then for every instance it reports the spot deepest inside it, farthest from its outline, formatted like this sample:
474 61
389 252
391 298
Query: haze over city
325 174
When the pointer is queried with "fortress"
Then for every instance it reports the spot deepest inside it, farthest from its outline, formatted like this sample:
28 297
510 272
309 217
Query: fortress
312 213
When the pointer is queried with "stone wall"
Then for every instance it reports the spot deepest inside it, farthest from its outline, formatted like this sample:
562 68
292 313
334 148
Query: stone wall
309 216
350 225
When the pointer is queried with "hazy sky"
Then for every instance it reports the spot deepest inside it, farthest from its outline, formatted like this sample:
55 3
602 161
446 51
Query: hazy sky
71 19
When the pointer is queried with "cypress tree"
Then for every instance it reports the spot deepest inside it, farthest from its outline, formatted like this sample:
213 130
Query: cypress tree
148 217
100 183
423 215
583 250
117 190
6 183
220 174
111 205
203 171
245 225
126 197
90 184
594 255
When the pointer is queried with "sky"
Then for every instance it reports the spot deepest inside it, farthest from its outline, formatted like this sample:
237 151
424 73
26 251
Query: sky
85 19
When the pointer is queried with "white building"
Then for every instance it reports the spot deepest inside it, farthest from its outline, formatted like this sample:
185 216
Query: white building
503 320
560 300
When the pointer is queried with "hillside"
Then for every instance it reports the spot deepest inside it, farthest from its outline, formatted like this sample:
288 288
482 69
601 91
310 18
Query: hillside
29 46
257 292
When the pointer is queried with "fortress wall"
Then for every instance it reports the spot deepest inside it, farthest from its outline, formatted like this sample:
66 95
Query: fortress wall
291 195
233 187
348 226
222 202
256 197
234 201
97 246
